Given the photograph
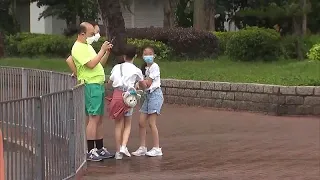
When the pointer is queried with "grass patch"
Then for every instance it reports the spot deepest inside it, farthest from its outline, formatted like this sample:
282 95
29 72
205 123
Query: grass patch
283 72
54 64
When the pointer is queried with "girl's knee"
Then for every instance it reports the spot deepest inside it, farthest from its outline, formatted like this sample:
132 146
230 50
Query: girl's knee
142 121
152 124
142 124
127 124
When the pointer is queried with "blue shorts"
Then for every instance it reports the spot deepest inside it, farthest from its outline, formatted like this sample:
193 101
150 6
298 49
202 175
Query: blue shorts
152 102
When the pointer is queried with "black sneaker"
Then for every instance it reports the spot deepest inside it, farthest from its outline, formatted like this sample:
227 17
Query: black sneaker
104 153
94 156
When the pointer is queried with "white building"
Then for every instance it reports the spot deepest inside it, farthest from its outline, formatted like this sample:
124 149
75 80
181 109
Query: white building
144 14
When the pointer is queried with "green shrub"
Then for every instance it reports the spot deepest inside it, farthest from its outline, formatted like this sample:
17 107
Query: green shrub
223 38
12 42
185 42
27 44
53 45
311 40
254 43
288 45
314 53
163 51
271 32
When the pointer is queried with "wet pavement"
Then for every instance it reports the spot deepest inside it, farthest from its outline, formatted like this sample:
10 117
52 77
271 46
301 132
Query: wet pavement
200 143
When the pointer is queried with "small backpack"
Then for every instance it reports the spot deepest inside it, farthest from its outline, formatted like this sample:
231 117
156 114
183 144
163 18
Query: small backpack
131 96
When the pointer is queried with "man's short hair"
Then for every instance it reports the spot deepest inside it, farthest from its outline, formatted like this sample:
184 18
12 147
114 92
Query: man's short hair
130 51
93 23
82 28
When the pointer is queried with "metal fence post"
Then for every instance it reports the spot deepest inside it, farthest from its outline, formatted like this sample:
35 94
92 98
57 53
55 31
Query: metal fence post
72 140
24 83
51 80
2 170
40 158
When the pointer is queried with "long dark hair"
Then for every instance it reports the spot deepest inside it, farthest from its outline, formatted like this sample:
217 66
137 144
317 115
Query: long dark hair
143 68
144 65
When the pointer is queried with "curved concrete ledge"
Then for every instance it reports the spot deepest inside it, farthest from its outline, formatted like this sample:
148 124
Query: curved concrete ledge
271 99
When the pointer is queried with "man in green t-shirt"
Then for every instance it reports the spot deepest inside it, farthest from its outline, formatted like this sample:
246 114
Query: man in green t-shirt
91 73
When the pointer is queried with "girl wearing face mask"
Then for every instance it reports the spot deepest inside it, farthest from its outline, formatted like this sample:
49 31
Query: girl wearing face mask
151 106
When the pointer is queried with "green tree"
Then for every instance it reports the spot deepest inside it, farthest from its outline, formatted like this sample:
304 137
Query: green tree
313 22
8 22
69 10
169 9
278 12
216 13
184 13
227 11
281 12
111 13
112 19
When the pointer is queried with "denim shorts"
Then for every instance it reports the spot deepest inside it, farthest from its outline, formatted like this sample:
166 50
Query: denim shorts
152 102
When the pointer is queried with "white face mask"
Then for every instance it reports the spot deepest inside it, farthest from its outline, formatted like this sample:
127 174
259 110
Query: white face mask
90 40
97 36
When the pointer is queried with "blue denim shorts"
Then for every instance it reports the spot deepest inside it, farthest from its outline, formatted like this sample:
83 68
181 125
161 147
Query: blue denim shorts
152 102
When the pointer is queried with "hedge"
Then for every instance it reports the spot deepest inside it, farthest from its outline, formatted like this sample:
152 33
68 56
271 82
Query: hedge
185 42
287 43
29 44
254 44
223 38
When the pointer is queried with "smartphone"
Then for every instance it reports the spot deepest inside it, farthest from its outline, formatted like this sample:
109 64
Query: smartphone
112 40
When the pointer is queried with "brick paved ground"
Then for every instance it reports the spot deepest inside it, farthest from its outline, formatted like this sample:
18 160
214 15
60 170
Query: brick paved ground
208 144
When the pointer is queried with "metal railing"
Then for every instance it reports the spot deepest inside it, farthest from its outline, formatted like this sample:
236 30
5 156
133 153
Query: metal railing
40 111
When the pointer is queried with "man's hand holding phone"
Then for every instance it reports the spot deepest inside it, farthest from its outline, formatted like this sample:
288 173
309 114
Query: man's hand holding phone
106 46
111 44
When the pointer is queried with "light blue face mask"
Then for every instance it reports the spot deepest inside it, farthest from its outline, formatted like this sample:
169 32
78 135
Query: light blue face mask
148 59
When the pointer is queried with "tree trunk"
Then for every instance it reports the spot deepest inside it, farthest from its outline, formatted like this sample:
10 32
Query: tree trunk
297 27
169 7
112 18
304 18
199 15
1 45
209 15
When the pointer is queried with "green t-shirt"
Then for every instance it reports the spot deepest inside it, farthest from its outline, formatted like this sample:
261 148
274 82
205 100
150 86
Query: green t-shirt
81 54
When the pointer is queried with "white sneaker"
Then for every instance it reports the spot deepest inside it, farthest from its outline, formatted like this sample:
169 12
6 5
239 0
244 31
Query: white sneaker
140 152
124 150
154 152
118 156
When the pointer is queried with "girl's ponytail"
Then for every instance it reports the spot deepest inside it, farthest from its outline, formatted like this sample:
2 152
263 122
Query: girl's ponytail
143 68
